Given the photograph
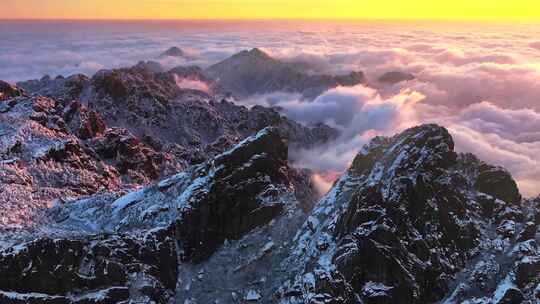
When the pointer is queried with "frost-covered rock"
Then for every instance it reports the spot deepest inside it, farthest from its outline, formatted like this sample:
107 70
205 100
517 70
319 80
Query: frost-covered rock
407 223
252 296
411 221
63 138
91 269
104 243
239 194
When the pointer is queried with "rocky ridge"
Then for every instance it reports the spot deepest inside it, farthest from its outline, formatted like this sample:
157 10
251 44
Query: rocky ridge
110 249
68 137
254 72
411 221
126 188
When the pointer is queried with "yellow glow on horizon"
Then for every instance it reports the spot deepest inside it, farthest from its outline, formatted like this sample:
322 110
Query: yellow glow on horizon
271 9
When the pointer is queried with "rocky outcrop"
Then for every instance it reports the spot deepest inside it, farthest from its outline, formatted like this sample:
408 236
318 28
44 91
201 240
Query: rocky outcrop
150 66
405 224
497 182
101 269
84 123
240 197
130 156
158 108
60 88
42 160
222 199
84 219
120 129
8 91
395 77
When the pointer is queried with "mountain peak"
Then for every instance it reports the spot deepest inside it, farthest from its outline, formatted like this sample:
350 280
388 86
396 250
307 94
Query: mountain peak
173 52
254 71
258 52
254 53
427 149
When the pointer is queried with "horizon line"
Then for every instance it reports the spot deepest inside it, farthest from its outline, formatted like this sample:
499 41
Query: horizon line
406 19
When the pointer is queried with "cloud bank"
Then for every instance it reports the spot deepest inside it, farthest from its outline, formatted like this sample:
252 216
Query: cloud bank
497 135
481 81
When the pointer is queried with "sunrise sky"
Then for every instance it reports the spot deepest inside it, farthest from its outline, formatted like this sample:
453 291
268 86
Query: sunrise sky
271 9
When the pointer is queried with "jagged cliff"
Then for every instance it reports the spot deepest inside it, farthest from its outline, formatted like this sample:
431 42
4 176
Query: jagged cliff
410 222
67 137
130 187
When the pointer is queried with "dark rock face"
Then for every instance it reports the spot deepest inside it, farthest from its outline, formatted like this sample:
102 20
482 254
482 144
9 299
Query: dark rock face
255 72
512 296
527 270
130 155
497 182
406 224
224 198
244 179
103 269
404 202
411 221
84 123
395 77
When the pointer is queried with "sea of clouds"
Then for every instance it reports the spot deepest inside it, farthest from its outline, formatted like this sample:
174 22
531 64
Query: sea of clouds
481 81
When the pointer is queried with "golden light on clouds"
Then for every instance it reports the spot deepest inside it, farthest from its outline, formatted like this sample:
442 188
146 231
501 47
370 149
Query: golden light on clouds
271 9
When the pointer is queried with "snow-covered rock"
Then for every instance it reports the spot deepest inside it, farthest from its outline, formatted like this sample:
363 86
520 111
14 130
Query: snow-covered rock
407 224
132 188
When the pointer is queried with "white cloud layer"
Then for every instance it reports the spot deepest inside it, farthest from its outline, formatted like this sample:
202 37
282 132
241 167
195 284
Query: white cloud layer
482 81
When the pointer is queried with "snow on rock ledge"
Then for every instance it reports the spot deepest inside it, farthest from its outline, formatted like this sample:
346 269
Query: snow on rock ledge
406 224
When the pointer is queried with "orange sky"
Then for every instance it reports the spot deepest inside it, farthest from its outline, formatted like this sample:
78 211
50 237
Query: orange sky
270 9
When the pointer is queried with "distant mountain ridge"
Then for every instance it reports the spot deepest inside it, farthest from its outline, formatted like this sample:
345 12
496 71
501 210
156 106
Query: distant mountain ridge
255 72
173 52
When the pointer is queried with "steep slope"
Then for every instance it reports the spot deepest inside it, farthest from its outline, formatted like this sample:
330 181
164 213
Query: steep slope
153 105
67 137
109 249
255 72
408 224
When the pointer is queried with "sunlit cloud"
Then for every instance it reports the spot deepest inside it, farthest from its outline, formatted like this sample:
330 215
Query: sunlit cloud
480 81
